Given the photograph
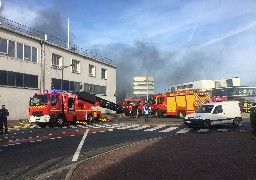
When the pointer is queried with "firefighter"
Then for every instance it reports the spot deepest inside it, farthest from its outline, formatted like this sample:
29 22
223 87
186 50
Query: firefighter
135 110
3 119
146 112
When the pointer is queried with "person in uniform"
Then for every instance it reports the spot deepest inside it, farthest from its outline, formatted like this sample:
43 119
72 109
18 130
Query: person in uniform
146 112
3 119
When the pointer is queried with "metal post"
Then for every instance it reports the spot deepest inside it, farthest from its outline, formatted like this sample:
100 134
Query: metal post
62 68
147 86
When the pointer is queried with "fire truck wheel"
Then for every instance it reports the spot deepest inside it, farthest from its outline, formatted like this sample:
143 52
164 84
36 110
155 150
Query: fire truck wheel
90 119
157 114
60 120
181 114
207 124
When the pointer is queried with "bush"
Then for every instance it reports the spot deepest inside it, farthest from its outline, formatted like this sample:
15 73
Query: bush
253 119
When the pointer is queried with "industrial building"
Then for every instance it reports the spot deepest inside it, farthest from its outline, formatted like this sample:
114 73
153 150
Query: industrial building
143 87
30 64
229 87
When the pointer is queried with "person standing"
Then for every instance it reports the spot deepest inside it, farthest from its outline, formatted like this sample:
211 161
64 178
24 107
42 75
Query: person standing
3 119
146 111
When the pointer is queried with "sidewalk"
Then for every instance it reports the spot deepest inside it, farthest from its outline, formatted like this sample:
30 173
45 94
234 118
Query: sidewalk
208 156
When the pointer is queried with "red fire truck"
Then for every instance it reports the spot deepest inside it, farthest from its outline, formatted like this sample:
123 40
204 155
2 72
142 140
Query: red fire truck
57 108
179 103
218 98
130 103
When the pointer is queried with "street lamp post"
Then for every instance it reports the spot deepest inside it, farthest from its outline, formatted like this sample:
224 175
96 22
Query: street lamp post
62 69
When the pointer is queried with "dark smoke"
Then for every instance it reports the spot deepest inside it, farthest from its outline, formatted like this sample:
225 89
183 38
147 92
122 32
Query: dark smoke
50 22
167 68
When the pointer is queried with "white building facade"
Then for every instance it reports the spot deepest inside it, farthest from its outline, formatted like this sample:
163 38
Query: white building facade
143 87
30 65
207 85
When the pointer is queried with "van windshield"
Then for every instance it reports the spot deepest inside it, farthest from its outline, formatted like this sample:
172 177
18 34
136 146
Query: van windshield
205 109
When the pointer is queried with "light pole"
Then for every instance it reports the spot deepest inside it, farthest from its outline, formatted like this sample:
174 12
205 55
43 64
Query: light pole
62 69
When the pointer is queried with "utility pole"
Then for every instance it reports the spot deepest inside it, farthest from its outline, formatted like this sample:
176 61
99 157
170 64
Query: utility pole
147 86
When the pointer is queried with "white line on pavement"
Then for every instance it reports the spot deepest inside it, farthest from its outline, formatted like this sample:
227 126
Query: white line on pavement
76 155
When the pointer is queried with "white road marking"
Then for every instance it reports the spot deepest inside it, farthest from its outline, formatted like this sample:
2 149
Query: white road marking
155 128
202 130
169 129
139 128
222 130
76 155
183 131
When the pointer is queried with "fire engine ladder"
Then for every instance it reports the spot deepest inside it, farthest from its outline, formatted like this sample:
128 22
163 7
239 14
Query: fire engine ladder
91 98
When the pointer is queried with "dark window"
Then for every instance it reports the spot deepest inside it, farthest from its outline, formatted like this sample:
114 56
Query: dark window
65 85
86 87
3 46
91 88
77 86
34 54
34 81
11 48
27 52
30 81
72 85
11 78
97 89
19 80
56 84
56 60
103 73
19 50
3 77
103 90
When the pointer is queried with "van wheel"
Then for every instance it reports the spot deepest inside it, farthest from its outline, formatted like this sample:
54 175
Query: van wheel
207 124
181 114
236 122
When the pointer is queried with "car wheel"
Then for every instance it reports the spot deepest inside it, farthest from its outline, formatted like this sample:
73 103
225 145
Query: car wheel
236 122
207 124
42 125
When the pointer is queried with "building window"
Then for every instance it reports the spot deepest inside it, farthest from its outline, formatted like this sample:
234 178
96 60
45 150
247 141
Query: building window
34 54
91 70
11 48
75 66
27 52
16 79
103 73
19 51
3 46
56 60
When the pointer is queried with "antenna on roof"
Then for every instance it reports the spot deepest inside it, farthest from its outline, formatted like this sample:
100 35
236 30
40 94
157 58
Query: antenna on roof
68 34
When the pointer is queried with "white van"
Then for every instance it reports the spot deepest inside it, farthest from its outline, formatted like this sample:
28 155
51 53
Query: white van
215 113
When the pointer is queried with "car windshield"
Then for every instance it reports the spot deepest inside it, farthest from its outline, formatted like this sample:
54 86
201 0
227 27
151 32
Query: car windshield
38 100
205 109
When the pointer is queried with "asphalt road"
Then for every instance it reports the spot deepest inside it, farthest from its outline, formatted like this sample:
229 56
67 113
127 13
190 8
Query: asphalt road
30 151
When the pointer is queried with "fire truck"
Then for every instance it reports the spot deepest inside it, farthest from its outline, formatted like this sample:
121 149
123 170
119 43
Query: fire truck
178 103
219 98
130 103
57 108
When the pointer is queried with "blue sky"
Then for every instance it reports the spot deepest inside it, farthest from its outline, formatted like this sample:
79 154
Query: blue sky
174 40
